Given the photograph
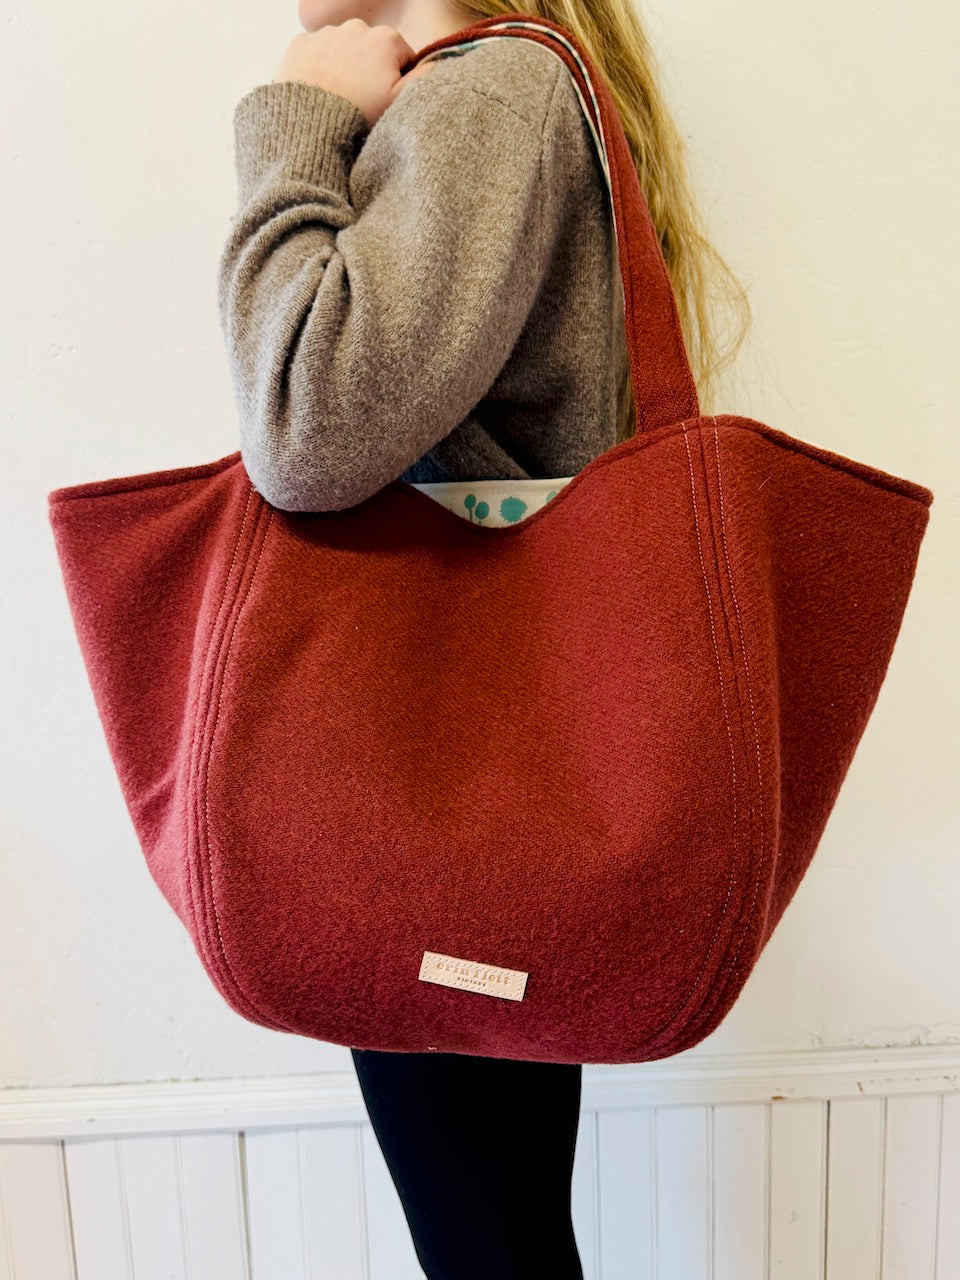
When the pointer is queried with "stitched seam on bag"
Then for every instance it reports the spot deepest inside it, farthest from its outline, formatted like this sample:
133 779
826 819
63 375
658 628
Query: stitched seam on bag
746 666
206 772
733 766
240 992
225 978
208 657
707 1012
729 620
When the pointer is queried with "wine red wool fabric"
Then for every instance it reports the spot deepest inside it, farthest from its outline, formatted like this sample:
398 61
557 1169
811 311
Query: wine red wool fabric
599 746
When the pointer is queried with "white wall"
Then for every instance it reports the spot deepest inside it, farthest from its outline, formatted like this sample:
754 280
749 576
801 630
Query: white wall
825 143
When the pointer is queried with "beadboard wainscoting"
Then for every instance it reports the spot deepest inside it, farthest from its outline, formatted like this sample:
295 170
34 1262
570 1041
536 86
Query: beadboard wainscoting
819 1165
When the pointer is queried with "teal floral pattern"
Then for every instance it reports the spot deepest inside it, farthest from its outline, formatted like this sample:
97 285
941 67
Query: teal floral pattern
494 502
512 508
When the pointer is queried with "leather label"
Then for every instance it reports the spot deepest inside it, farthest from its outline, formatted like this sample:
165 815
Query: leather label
470 975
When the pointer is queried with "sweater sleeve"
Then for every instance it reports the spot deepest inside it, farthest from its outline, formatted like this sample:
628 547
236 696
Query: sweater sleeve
369 301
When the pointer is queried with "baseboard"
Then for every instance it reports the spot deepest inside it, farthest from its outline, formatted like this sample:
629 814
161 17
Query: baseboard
326 1098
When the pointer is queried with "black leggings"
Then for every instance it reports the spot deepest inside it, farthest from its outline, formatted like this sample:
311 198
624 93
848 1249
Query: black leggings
481 1153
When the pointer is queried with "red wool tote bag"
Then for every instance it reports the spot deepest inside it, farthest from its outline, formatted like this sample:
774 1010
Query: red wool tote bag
540 791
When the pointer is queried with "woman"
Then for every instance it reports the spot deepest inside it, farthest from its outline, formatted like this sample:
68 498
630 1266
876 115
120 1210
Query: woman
421 282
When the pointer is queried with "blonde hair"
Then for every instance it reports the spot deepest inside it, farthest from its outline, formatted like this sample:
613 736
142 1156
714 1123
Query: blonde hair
611 33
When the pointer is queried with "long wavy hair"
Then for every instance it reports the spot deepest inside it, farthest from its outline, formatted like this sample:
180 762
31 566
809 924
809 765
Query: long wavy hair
613 36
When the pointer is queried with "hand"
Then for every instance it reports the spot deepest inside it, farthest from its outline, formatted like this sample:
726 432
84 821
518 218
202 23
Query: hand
359 62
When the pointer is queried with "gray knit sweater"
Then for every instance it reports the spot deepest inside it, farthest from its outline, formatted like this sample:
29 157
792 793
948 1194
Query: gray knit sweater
432 298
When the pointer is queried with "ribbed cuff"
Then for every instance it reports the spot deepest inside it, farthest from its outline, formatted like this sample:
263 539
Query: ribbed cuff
312 130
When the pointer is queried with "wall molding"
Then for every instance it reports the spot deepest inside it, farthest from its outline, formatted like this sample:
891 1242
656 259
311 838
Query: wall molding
333 1097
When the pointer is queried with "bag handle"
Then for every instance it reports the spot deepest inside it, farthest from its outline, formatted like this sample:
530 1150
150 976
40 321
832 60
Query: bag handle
663 386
